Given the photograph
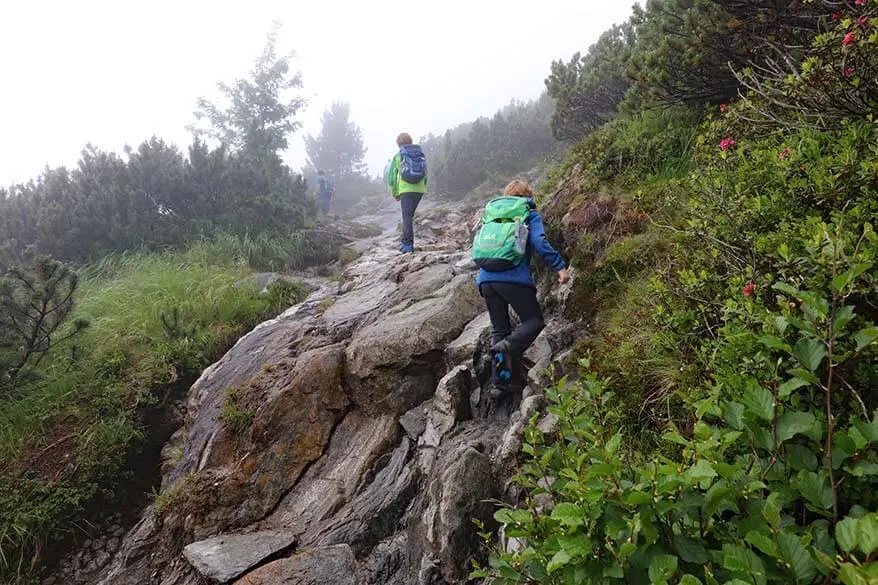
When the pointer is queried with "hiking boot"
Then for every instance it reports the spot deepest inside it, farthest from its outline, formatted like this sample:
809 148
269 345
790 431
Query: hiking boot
406 248
497 392
501 362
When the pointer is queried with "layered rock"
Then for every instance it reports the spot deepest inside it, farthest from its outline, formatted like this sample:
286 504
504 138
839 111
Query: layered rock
344 441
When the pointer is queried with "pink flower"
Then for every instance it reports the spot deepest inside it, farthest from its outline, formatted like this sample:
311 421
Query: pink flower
836 16
722 107
785 153
849 72
727 143
749 288
859 2
849 39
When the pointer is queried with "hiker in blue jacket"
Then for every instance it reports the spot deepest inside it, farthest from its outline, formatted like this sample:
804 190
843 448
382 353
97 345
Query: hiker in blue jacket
515 287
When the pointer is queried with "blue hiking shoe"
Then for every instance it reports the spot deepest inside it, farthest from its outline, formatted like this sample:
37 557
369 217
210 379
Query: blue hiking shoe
502 362
406 248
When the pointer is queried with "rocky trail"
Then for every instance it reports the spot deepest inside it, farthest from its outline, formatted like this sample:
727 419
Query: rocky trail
344 441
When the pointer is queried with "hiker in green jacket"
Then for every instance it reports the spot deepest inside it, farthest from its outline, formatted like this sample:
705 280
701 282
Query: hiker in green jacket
407 179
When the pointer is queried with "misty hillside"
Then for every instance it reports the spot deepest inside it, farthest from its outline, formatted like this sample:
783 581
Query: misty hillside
191 352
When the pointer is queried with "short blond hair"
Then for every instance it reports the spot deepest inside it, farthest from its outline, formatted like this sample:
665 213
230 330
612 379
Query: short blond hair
403 138
518 188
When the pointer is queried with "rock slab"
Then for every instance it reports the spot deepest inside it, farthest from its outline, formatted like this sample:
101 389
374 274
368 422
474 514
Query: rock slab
226 557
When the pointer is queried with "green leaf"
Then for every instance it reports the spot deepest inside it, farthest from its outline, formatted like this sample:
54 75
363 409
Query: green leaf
851 575
810 353
844 316
867 534
506 516
848 276
613 444
869 428
690 580
805 375
759 401
569 514
781 324
716 499
763 542
788 387
864 469
675 437
762 437
846 534
637 498
734 415
699 472
815 488
772 342
690 550
842 448
800 457
797 558
662 568
815 306
792 423
561 558
866 337
859 440
741 560
785 288
576 545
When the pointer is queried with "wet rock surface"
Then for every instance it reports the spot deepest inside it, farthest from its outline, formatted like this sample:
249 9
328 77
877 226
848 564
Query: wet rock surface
360 449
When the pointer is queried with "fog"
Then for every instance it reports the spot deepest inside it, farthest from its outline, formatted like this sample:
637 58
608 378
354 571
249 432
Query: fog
114 73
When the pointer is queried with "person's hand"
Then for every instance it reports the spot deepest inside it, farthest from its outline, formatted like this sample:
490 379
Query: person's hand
563 276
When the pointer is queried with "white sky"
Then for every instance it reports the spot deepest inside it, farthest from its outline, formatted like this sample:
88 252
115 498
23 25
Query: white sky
112 72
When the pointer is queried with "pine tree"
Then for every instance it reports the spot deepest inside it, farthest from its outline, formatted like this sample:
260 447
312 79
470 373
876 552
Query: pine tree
338 149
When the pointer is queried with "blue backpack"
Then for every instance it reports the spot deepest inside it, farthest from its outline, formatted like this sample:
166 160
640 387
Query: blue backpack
412 163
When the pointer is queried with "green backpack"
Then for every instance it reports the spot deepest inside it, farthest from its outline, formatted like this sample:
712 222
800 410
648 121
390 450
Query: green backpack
502 240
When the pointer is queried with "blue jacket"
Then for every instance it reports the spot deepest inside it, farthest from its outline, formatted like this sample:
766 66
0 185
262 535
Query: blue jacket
536 242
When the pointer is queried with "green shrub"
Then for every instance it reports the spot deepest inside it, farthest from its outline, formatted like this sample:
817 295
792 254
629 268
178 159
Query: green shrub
774 481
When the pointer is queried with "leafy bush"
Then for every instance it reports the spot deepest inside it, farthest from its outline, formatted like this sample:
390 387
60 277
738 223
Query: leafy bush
774 481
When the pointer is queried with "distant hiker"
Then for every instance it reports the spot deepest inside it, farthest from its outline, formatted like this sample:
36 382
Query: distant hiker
407 179
512 229
324 194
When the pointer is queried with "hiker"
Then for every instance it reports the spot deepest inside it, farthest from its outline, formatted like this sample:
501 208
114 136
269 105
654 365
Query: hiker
407 179
512 229
324 194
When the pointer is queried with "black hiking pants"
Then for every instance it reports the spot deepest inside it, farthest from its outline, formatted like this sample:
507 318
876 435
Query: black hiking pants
409 203
499 296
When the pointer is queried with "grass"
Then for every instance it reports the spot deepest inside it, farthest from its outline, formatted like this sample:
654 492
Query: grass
271 252
154 319
233 414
